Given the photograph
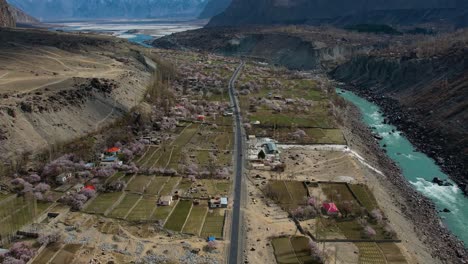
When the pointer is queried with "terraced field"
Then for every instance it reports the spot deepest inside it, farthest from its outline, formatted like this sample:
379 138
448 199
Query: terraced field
121 210
214 224
102 202
196 219
177 219
144 209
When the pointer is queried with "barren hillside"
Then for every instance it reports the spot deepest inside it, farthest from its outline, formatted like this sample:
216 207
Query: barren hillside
55 87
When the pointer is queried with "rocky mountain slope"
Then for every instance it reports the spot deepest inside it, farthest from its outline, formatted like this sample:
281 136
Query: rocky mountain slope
246 12
214 7
424 91
302 47
55 87
21 17
6 18
72 9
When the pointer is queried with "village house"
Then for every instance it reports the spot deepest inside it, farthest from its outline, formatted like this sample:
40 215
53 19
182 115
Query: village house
63 177
218 202
165 200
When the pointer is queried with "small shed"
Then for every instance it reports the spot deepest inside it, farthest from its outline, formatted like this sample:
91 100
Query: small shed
165 200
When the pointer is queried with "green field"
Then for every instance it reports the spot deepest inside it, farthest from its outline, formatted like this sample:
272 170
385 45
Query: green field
146 160
178 145
144 209
195 220
169 186
162 212
102 202
177 219
138 184
156 185
121 210
214 224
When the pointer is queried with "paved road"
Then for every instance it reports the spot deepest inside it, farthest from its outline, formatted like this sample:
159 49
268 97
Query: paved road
236 245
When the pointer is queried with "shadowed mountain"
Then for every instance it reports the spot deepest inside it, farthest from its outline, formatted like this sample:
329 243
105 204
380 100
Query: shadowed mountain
342 12
214 7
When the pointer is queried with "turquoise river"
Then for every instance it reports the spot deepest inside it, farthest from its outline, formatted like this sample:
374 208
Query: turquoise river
416 167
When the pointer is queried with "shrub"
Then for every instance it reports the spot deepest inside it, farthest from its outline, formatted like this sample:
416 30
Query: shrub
46 239
20 252
315 252
42 187
368 232
376 215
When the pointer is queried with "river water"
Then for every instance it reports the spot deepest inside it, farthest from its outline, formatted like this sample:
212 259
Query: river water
137 31
416 167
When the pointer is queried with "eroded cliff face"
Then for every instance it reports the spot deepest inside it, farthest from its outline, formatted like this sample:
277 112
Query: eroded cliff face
21 17
313 49
425 96
56 87
6 19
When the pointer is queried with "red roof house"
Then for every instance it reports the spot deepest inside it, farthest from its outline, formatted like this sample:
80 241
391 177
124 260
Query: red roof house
90 187
113 150
330 208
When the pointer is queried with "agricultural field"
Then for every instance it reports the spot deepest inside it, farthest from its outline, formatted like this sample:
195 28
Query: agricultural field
122 209
47 253
162 212
196 219
144 209
369 253
179 215
102 202
138 184
292 250
66 254
208 187
392 253
314 135
289 194
156 185
365 196
214 224
169 186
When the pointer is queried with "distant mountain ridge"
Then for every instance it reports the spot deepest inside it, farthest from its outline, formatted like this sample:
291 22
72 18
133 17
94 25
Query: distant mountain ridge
246 12
214 7
83 9
6 18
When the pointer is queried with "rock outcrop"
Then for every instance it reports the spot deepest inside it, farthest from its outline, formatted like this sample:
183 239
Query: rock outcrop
21 17
6 18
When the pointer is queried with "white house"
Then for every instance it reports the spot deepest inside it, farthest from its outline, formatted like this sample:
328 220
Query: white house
219 202
165 200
